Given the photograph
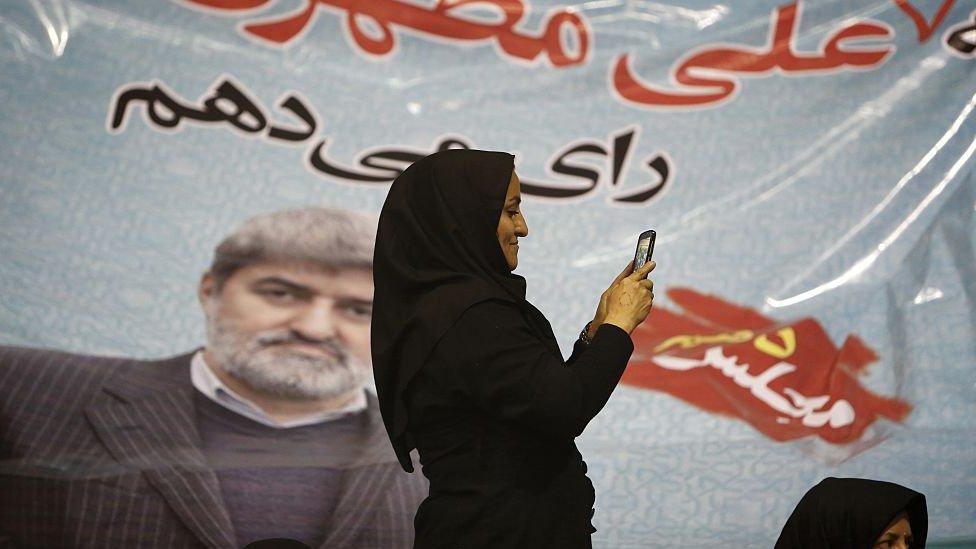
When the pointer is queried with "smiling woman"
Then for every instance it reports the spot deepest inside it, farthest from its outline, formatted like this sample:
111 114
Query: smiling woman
469 373
511 224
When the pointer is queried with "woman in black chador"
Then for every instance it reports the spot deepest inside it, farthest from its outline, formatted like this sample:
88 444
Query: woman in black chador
857 513
469 372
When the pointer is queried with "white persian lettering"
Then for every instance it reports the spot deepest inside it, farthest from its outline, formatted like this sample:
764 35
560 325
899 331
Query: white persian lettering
793 404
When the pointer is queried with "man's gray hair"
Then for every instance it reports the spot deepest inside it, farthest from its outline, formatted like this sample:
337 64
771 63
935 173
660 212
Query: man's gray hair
325 237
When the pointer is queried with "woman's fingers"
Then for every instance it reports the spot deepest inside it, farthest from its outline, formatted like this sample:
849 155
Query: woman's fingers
643 271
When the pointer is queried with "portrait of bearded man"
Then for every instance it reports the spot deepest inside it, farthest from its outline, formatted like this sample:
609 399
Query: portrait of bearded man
271 430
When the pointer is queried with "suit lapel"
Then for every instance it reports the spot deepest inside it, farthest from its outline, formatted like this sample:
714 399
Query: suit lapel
152 429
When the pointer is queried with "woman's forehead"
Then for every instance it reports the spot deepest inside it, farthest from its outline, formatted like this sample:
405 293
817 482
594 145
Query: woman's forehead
514 189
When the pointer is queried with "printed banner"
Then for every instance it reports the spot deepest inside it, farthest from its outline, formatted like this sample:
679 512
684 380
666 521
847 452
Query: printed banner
808 168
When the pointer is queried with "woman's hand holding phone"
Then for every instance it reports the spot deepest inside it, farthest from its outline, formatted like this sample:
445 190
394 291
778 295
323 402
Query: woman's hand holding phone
629 299
621 318
601 310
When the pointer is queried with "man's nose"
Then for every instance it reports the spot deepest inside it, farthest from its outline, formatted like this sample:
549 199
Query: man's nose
315 321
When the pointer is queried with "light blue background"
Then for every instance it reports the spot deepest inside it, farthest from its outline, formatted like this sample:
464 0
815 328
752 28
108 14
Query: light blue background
782 190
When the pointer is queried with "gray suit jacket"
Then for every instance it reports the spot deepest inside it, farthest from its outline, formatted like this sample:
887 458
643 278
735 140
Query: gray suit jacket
104 452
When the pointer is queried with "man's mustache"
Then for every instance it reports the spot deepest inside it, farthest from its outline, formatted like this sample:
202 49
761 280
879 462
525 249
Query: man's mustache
269 339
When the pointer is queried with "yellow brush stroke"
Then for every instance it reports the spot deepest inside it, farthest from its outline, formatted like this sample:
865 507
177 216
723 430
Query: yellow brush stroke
693 340
774 349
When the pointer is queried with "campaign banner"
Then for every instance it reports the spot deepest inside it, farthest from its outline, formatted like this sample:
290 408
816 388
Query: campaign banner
807 166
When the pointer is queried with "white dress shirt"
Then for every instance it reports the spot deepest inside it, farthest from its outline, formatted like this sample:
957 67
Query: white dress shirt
210 385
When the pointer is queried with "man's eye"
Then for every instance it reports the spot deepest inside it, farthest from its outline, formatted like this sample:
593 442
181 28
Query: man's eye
360 311
277 295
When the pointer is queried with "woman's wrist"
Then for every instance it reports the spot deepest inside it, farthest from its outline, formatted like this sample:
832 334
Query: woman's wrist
621 323
589 331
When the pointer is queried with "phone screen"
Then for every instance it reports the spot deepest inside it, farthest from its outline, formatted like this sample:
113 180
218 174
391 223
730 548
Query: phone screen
645 248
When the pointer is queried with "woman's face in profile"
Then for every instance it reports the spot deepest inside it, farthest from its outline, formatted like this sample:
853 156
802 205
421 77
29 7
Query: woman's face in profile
511 224
898 535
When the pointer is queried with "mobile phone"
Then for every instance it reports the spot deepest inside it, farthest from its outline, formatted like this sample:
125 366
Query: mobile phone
645 248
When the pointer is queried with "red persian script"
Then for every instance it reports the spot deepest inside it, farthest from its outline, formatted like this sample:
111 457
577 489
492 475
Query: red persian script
452 20
710 74
923 27
787 379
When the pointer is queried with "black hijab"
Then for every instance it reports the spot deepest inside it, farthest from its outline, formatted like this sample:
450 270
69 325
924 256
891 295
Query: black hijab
851 513
436 255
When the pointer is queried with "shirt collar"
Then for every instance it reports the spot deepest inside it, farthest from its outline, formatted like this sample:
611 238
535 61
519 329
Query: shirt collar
205 381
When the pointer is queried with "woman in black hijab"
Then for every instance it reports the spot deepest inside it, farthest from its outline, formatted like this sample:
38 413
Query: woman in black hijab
857 513
469 372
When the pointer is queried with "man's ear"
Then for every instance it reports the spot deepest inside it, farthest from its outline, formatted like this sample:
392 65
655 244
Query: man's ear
207 290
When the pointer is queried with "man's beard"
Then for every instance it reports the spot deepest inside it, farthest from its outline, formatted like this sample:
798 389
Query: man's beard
267 367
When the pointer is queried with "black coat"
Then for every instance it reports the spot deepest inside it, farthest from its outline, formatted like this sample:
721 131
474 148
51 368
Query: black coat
494 413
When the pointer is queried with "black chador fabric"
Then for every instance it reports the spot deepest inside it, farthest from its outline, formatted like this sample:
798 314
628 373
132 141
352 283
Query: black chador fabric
437 255
851 513
470 374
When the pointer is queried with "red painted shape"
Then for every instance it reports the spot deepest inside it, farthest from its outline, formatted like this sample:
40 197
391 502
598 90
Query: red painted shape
815 368
232 5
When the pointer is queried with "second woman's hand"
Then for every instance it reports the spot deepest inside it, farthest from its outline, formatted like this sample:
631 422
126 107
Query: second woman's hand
629 299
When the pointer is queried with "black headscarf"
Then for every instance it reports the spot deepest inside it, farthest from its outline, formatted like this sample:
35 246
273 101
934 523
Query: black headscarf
436 255
851 513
